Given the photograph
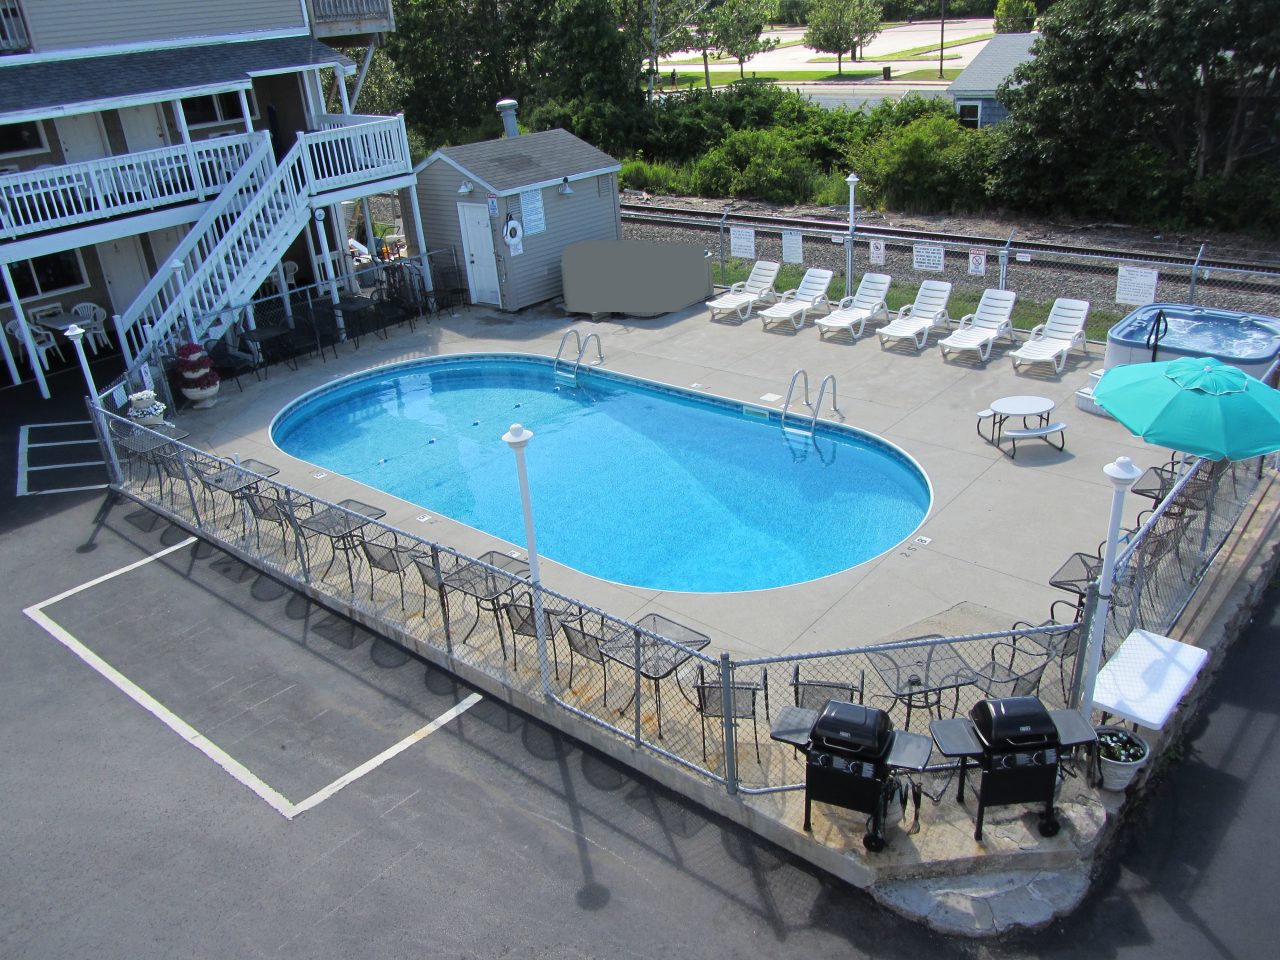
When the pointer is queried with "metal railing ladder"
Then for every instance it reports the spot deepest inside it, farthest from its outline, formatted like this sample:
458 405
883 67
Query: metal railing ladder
791 389
555 364
822 388
586 341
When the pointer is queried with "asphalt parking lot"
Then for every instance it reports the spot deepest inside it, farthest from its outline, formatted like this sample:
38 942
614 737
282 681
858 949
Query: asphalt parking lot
200 763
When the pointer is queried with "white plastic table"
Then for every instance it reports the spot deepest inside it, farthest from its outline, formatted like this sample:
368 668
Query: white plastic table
1147 677
1019 406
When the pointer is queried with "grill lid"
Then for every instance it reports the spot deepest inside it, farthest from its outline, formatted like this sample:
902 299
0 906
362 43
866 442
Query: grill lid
851 727
1012 722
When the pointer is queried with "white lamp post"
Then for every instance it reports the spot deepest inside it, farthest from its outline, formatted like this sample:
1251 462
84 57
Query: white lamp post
1122 475
76 335
852 181
517 438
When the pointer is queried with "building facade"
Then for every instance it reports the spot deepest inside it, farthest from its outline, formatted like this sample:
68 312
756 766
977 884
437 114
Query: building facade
162 159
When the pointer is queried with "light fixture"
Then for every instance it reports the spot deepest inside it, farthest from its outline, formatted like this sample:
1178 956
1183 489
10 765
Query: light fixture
466 187
564 189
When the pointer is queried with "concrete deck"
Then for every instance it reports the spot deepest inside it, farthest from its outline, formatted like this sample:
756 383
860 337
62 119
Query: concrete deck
997 530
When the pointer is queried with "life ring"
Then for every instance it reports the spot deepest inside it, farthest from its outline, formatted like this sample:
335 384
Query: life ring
512 232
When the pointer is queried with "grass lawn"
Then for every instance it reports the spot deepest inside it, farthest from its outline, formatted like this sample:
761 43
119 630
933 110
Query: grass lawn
687 77
945 56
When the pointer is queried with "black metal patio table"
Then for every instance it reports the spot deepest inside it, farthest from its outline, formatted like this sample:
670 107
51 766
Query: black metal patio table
341 524
487 586
919 676
650 657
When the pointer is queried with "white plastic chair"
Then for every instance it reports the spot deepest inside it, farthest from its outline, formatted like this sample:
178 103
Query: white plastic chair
744 295
915 320
1051 341
93 321
852 313
979 330
41 339
793 306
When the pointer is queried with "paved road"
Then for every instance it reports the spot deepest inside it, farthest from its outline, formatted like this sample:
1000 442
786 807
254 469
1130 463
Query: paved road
489 837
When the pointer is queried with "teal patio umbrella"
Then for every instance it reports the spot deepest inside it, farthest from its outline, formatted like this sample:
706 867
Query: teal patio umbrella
1196 405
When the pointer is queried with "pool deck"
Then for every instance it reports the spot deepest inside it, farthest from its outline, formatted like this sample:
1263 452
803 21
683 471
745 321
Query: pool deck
997 530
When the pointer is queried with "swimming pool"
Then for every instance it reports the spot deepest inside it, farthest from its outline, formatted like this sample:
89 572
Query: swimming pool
631 481
1248 341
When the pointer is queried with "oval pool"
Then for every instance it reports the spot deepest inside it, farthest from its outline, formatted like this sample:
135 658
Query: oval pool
631 481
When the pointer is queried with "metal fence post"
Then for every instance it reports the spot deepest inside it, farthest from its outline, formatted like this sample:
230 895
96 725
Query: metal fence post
444 600
102 427
1085 626
636 634
297 535
1195 273
730 739
1003 257
191 490
723 217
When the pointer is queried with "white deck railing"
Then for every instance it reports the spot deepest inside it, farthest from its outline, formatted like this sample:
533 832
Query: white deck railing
237 242
53 198
13 31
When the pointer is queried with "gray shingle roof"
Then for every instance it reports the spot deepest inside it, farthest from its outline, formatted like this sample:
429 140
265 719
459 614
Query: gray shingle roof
53 87
993 64
512 163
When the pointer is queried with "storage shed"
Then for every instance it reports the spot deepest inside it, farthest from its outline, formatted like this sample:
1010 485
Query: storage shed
509 207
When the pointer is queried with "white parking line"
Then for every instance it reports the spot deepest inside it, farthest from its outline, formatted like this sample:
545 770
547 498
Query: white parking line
190 734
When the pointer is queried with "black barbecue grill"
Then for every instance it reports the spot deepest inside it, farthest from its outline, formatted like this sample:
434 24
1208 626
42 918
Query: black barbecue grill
852 757
1018 744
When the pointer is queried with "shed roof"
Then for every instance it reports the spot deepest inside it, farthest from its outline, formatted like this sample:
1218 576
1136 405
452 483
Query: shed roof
511 164
50 88
993 64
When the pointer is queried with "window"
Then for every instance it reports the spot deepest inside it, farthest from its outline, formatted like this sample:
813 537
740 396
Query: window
970 114
21 138
41 276
217 108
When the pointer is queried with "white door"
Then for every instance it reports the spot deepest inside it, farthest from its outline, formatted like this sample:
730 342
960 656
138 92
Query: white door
82 137
125 270
164 242
144 127
477 250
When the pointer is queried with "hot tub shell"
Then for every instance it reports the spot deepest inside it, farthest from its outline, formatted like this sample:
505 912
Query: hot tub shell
1248 341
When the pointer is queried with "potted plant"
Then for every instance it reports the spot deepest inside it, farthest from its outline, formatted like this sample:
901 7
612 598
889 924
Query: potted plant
145 409
1121 753
200 382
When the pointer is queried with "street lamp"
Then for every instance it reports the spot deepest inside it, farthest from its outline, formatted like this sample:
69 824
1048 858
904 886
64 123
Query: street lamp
1122 475
517 438
852 181
942 35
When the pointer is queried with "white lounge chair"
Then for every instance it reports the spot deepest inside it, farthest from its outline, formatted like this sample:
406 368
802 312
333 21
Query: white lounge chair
852 313
979 330
915 320
793 306
745 294
1052 341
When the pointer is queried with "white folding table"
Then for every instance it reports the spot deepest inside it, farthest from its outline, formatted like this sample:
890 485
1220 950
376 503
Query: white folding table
1146 678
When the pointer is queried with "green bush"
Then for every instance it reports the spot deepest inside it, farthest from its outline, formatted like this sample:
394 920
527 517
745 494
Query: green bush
933 163
764 164
662 178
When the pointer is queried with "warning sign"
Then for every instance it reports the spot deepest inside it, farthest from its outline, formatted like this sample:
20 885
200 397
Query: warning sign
877 252
977 262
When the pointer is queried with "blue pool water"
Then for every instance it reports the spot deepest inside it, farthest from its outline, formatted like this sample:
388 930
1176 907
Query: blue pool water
630 481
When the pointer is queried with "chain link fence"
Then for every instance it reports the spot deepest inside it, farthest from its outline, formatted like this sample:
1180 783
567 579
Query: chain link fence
1037 273
653 682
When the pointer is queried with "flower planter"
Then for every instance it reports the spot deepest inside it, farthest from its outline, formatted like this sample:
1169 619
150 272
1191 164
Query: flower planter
201 397
1118 774
144 409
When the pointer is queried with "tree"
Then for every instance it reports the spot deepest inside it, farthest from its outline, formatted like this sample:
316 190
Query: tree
840 26
737 26
1125 99
1015 16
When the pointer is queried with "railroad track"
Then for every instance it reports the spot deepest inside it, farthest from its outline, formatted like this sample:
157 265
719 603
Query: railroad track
710 220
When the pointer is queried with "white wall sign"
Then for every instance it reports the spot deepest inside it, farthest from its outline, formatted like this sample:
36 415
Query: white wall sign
742 242
119 397
1136 285
977 262
1022 258
792 246
147 382
927 256
531 212
493 204
877 252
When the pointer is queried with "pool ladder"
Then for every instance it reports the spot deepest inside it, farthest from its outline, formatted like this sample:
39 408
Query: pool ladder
814 408
582 344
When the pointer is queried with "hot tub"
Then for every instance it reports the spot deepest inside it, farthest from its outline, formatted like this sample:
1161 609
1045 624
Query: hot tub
1248 341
